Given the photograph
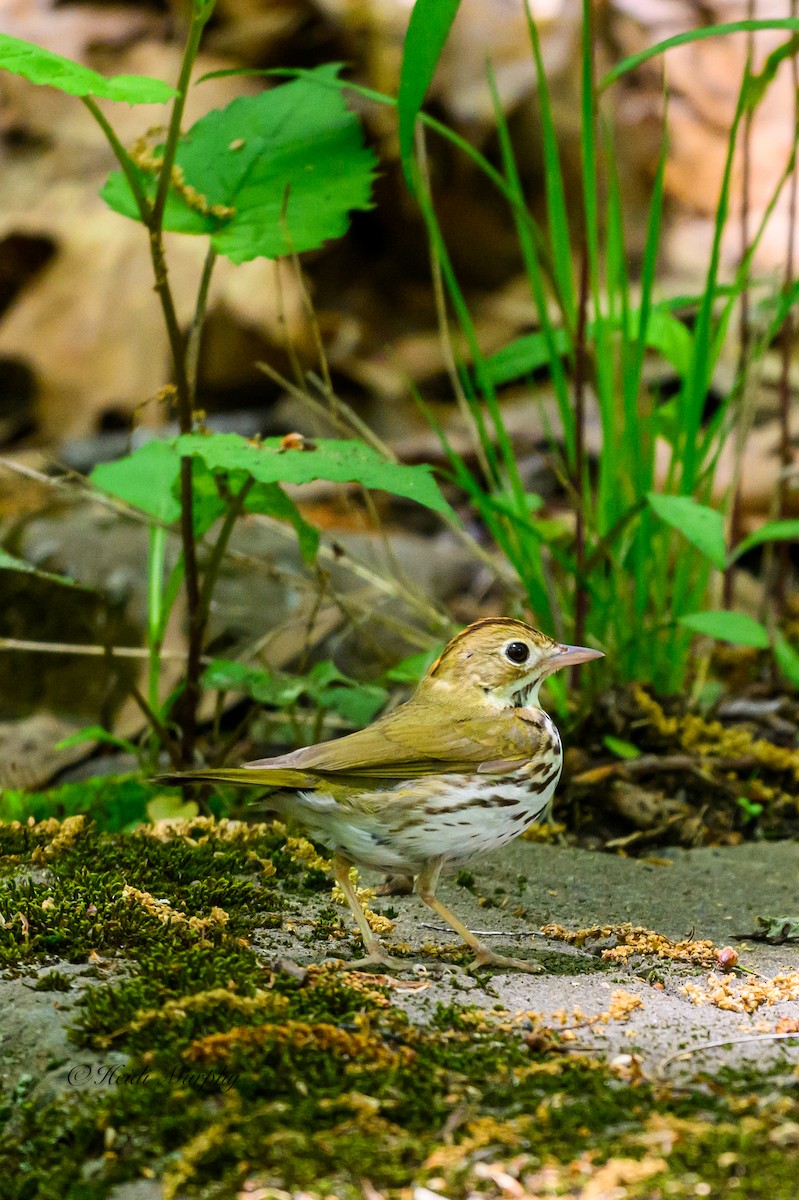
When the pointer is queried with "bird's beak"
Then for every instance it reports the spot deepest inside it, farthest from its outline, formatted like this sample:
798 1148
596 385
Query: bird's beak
570 656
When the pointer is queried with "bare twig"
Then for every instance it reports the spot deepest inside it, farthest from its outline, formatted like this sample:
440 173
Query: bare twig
720 1044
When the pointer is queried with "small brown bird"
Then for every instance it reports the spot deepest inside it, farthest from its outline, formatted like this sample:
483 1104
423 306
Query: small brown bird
464 766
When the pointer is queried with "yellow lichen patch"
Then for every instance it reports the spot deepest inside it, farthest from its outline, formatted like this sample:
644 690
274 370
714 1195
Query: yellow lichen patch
635 939
523 1178
322 975
713 739
744 995
360 1048
302 851
199 830
544 831
63 834
482 1132
622 1005
163 911
175 1011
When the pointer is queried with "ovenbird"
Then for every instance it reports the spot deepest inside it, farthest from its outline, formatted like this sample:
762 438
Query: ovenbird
464 766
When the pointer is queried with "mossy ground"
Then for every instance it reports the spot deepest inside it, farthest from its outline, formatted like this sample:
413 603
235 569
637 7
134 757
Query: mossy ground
239 1070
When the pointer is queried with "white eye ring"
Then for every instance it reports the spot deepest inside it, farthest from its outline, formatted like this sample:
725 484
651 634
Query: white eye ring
517 652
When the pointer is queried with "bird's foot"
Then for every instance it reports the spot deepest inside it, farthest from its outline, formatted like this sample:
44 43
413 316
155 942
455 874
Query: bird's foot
377 957
387 962
395 885
487 958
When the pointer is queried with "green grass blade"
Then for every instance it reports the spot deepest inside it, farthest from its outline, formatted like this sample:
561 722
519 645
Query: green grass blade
553 339
557 212
428 30
694 35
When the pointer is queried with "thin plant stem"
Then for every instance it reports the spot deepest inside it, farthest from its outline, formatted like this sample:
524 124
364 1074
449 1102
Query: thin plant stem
155 603
580 367
788 333
744 330
211 574
123 158
197 324
179 354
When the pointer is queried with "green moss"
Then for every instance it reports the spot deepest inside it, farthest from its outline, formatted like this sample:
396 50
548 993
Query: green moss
314 1080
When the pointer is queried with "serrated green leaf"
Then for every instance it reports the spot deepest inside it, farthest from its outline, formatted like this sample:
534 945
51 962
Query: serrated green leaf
787 658
290 161
772 531
702 526
621 748
735 627
334 459
43 67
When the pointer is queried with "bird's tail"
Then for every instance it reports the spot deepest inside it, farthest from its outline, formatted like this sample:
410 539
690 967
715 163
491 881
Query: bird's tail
240 776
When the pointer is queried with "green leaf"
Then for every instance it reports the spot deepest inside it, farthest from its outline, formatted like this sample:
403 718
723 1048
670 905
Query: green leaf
356 703
428 29
276 690
757 85
524 355
337 460
750 808
735 627
411 669
8 562
290 162
666 334
773 531
146 479
114 802
171 808
270 500
96 733
702 526
42 66
777 930
149 480
787 658
621 748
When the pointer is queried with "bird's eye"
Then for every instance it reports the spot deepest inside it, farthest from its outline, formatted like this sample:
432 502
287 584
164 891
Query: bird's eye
517 652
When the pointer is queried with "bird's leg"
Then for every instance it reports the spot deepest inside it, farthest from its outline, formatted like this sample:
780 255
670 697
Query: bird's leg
375 954
484 956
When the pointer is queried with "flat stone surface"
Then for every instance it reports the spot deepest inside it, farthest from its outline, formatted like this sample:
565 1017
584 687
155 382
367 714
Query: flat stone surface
704 893
710 893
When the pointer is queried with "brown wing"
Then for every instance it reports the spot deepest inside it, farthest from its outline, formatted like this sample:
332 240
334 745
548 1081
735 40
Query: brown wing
416 739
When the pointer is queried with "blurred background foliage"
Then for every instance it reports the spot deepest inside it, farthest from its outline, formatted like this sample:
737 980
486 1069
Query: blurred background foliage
348 339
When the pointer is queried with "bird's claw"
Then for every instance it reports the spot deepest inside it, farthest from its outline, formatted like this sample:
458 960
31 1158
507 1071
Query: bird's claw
487 958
